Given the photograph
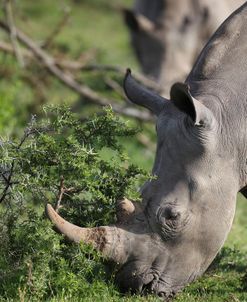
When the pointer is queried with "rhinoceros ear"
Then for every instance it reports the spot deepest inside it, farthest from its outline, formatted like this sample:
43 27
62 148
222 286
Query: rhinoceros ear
137 22
140 95
184 101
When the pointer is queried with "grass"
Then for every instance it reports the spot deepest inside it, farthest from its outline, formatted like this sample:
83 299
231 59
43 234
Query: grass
94 26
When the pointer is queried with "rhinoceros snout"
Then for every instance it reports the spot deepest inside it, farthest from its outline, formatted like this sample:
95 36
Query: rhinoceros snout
144 281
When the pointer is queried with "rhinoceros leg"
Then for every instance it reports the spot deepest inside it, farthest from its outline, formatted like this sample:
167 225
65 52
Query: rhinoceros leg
244 191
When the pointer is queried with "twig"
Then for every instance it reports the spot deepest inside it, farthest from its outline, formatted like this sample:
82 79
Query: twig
30 275
8 179
62 190
58 28
12 32
8 48
60 194
83 90
8 183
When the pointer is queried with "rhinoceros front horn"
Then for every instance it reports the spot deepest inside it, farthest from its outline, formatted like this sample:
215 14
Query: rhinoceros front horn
140 95
109 240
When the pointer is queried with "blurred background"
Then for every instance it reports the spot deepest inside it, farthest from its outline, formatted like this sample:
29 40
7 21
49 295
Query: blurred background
82 32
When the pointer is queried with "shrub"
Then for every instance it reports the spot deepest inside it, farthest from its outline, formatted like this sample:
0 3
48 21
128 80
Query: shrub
59 159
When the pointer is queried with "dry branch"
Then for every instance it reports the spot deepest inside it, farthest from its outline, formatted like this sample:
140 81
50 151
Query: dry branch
140 78
62 191
60 195
12 32
84 66
8 48
64 64
50 64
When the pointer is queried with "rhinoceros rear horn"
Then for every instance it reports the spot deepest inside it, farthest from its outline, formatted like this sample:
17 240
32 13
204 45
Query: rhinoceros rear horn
137 22
185 102
106 239
140 95
130 19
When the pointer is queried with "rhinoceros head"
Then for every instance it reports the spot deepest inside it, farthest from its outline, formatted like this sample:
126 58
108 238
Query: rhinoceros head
189 206
175 233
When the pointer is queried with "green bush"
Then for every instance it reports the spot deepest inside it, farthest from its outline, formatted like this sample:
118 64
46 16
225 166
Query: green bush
57 152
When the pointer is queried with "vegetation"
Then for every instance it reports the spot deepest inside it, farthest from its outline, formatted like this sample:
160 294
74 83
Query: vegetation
58 152
84 161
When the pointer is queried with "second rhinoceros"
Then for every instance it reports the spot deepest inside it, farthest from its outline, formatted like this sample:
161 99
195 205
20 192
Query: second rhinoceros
201 164
168 35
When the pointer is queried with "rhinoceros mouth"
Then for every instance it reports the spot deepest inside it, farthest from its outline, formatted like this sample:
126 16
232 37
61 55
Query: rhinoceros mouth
148 282
161 288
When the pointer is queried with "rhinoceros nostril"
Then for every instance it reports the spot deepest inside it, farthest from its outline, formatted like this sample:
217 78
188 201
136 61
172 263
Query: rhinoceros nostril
150 282
147 288
170 213
161 294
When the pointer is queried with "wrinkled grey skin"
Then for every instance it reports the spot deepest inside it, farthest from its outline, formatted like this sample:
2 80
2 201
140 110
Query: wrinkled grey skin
177 31
201 164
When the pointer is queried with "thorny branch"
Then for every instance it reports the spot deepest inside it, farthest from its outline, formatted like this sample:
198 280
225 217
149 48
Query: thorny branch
62 190
8 179
8 182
